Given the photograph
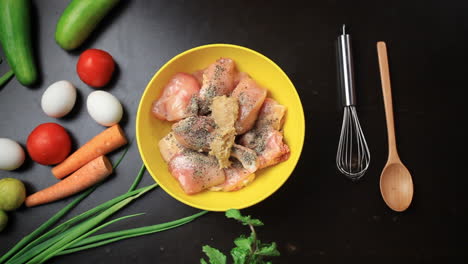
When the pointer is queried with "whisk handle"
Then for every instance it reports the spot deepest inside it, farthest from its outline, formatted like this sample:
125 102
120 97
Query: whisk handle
387 96
346 70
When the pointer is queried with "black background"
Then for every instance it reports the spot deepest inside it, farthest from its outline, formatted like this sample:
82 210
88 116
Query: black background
318 216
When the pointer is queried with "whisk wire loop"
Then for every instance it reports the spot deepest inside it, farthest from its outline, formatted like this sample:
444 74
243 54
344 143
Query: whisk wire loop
353 156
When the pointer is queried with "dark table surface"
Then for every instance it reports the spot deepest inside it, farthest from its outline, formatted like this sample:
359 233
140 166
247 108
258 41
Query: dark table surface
318 216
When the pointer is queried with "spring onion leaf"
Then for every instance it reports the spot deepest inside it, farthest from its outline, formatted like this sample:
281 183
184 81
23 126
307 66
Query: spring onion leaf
85 227
48 243
89 233
46 225
68 233
41 229
6 77
106 238
121 157
138 178
140 230
71 222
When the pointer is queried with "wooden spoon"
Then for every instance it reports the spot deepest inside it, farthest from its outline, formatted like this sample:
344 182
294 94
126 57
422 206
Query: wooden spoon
396 184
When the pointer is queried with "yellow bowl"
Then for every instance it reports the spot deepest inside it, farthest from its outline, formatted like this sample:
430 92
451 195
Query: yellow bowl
150 130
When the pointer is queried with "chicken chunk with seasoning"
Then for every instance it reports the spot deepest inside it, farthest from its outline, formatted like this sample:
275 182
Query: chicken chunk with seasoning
271 114
268 143
236 178
196 171
226 128
247 157
250 96
218 80
177 96
169 147
195 132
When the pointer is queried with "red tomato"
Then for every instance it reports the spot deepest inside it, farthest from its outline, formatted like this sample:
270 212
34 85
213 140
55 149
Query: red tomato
95 67
48 144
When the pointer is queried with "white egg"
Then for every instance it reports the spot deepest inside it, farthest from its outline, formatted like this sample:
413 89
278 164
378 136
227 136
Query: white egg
58 99
104 108
11 154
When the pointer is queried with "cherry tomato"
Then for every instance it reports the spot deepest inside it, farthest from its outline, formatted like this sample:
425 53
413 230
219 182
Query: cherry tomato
95 67
48 144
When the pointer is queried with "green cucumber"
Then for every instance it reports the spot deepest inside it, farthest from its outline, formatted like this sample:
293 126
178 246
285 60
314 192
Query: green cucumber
78 21
15 39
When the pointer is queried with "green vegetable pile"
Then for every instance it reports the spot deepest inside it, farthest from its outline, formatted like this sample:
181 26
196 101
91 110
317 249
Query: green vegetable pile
77 233
248 250
16 40
79 20
76 23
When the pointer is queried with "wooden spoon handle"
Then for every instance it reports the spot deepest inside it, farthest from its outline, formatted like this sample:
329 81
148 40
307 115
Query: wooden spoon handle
387 96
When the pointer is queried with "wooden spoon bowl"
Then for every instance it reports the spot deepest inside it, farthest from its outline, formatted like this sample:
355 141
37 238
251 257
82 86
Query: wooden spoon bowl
396 186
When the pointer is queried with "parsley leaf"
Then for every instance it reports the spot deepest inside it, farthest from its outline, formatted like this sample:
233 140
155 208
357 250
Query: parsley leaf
269 250
245 220
240 255
244 242
248 250
215 256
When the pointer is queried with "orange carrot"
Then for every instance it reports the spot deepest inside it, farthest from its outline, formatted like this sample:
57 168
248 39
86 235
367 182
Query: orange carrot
105 142
88 175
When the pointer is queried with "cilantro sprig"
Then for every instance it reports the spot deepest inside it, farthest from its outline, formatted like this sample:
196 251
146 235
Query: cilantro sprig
248 249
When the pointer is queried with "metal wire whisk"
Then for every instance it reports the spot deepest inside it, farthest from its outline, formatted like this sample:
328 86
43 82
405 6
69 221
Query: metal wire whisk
353 156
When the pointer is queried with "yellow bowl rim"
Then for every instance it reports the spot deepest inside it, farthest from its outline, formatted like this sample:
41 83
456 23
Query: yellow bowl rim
139 110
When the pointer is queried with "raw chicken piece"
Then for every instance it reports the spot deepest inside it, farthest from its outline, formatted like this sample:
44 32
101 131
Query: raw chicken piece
271 114
239 76
175 98
195 132
199 76
169 147
268 144
250 96
236 178
218 79
247 157
196 171
193 106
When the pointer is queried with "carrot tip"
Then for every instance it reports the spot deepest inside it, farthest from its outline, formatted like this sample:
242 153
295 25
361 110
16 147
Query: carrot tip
91 173
103 143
